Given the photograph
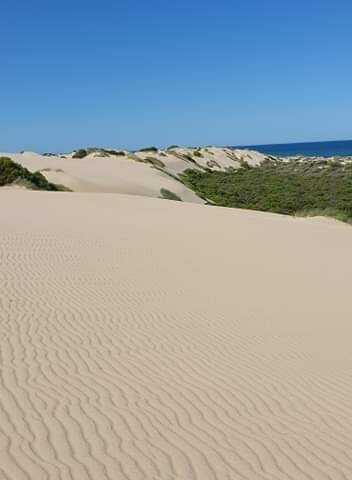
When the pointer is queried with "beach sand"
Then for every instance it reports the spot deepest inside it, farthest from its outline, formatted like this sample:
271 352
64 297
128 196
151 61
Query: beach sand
150 339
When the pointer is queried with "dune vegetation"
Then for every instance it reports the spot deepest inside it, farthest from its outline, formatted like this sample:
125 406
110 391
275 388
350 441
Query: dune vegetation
117 153
299 186
293 188
168 195
12 173
81 153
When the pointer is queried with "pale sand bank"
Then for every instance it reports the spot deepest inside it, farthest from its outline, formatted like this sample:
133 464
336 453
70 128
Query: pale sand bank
135 173
147 339
109 175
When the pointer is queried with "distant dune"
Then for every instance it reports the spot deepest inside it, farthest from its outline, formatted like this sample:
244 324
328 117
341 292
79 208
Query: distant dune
143 339
141 173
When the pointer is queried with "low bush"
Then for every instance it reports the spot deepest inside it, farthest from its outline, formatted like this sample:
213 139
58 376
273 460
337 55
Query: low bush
117 153
186 156
197 153
168 195
154 161
149 149
81 153
213 164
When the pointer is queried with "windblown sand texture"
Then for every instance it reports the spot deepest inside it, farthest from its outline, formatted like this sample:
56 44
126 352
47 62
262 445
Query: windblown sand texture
149 339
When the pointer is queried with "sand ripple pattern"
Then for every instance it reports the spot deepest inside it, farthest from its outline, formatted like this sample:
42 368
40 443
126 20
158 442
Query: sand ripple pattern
140 339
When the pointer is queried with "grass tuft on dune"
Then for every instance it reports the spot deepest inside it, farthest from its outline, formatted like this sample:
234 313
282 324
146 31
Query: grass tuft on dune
168 195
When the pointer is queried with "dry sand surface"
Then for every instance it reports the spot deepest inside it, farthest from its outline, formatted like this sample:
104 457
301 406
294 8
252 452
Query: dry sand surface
149 339
109 175
133 173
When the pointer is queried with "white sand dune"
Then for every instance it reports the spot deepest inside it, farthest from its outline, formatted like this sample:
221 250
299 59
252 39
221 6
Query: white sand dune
109 175
146 339
132 174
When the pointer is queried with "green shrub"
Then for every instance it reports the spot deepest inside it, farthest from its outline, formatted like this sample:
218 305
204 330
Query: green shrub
213 164
118 153
154 161
197 153
288 188
81 153
186 156
168 195
149 149
171 147
12 173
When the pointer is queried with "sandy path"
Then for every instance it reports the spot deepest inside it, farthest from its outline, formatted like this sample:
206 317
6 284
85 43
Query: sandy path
147 339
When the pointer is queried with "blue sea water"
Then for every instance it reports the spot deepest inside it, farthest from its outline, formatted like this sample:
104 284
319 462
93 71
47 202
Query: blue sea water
309 149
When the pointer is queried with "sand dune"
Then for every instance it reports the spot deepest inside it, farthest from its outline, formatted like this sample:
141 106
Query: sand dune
145 339
109 175
133 173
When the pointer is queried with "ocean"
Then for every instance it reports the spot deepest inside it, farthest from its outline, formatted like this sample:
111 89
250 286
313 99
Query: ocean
308 149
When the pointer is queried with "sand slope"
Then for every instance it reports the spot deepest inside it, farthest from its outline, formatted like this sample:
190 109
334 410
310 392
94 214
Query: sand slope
133 173
146 339
109 175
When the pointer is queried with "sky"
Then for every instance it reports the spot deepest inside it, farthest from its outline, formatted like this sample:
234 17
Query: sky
137 73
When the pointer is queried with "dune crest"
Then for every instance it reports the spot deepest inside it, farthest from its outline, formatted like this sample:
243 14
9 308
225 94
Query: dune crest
144 173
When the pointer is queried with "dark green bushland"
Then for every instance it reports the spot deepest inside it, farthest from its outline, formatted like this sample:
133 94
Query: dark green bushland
289 188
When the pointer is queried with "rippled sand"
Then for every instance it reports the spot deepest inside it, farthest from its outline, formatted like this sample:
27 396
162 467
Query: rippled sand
149 339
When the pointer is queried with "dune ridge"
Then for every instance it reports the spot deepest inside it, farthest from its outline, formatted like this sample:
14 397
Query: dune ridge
144 339
143 173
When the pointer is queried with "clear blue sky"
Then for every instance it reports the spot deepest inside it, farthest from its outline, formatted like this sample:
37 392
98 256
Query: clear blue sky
133 73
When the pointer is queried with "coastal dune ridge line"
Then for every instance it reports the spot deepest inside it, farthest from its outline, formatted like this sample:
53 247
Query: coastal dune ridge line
150 172
239 178
142 339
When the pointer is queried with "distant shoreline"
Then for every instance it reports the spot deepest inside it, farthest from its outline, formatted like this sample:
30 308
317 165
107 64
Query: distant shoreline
334 148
